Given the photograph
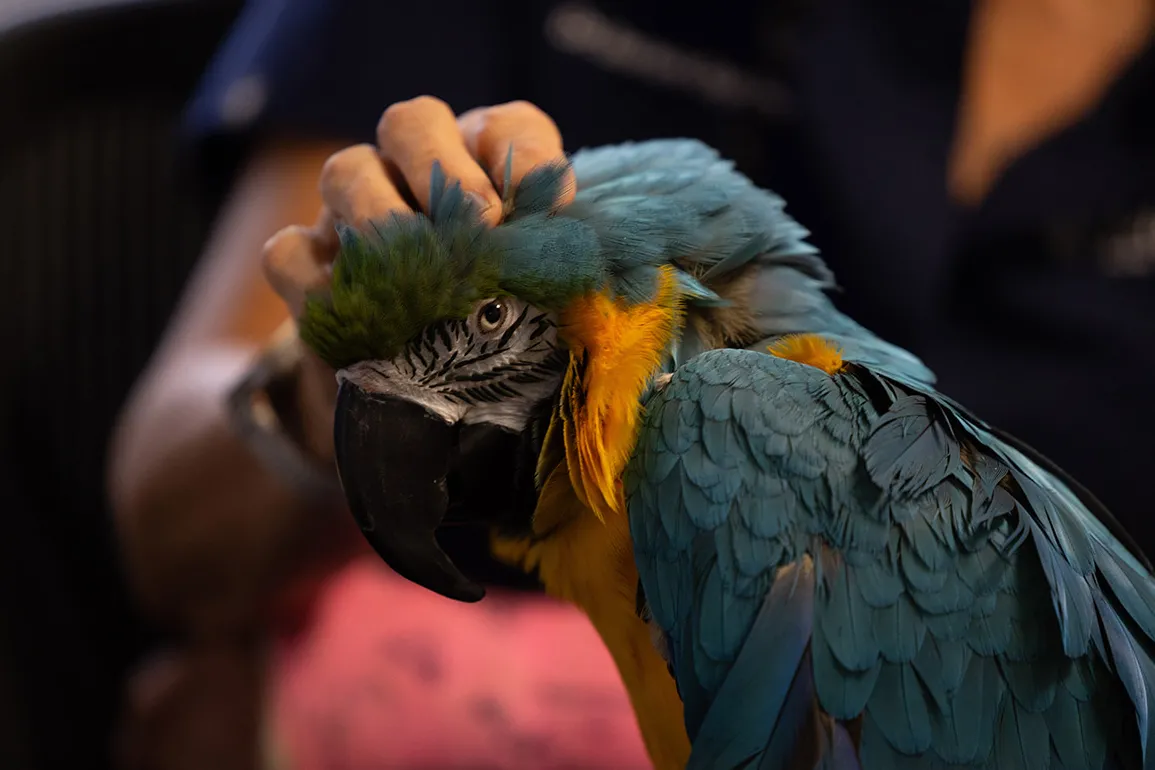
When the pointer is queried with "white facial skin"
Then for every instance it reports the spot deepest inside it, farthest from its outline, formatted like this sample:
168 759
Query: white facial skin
492 367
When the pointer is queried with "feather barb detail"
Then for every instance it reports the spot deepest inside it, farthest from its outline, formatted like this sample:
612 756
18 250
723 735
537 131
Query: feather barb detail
810 349
616 348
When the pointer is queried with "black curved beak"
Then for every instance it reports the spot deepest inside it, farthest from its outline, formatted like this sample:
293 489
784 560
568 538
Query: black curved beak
394 459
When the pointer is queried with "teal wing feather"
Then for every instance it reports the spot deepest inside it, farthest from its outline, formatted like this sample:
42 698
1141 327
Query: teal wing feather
853 572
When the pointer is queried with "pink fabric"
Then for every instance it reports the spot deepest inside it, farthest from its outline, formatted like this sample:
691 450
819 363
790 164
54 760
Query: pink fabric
389 675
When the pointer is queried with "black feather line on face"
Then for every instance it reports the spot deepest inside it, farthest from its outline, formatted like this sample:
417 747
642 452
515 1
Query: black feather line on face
504 371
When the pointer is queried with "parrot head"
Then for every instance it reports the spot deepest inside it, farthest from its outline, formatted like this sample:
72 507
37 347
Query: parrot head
460 349
443 333
444 432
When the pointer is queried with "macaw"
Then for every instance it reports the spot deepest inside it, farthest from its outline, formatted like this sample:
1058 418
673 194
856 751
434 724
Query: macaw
799 553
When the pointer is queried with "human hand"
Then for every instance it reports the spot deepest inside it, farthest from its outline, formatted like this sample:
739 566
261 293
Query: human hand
363 183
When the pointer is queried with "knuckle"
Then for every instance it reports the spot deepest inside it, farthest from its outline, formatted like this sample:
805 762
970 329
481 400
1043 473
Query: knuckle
400 112
280 250
532 132
346 162
526 113
518 107
272 253
427 102
491 133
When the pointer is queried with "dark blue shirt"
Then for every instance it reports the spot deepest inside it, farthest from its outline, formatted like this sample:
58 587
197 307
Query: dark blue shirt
1035 310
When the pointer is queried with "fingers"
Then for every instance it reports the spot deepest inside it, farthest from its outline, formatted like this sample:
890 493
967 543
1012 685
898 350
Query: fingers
472 149
490 131
355 190
355 187
294 264
297 260
414 134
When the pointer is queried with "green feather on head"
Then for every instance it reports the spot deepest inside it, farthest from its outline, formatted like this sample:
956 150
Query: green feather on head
413 270
389 284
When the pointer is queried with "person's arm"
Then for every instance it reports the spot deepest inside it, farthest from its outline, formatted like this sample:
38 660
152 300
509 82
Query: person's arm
1033 69
207 532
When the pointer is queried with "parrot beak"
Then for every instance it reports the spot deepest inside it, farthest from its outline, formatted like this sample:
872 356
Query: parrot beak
395 460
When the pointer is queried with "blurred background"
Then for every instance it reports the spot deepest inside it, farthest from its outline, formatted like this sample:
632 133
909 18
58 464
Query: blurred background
981 176
101 228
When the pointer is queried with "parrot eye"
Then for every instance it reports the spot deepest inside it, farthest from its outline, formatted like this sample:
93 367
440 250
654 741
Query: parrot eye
491 316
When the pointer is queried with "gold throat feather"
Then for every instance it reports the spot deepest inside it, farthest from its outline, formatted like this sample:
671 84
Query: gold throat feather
581 543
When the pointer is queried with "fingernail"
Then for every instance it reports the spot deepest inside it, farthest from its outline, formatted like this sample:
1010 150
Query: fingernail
478 202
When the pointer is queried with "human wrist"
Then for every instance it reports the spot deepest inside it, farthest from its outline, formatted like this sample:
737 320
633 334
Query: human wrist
282 409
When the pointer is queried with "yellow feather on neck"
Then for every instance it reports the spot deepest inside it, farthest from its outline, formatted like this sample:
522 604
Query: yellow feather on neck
590 564
580 544
615 350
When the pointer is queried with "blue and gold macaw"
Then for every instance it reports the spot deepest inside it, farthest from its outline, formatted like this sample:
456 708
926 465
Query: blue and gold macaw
799 553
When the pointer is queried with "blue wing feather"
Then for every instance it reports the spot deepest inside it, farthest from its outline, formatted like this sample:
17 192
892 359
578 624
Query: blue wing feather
781 633
969 608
